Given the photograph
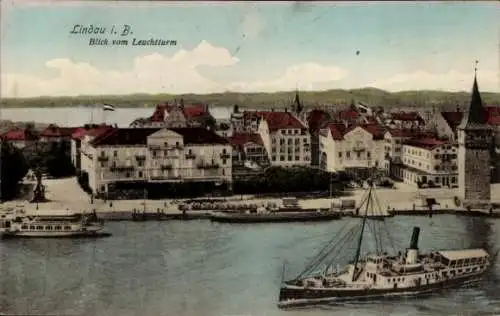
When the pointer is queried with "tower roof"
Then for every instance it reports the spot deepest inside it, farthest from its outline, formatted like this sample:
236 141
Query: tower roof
297 106
475 117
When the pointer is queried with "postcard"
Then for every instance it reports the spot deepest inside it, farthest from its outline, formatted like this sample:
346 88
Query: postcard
220 158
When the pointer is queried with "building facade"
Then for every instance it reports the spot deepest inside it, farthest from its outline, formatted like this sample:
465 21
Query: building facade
430 162
126 156
286 139
355 149
248 148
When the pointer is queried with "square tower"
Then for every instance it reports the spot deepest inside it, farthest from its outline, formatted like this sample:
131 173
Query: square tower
474 141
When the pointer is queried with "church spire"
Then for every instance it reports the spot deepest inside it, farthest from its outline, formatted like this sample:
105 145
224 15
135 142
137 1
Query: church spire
297 104
476 116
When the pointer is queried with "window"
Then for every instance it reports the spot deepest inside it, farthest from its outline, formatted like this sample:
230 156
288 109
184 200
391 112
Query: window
282 158
436 156
140 163
57 227
127 175
368 155
224 161
297 157
273 158
340 154
48 227
348 154
140 174
115 153
67 227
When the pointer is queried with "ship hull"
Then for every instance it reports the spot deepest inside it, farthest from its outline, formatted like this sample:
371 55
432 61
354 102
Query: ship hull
274 218
291 296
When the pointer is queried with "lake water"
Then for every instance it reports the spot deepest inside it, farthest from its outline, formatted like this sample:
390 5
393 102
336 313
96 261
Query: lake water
208 269
77 116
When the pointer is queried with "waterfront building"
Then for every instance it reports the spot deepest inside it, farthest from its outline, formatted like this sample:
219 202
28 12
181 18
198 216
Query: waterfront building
393 148
355 149
429 162
286 139
134 158
475 142
80 142
248 148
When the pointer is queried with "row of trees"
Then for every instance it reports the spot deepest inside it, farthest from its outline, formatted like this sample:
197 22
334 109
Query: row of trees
13 168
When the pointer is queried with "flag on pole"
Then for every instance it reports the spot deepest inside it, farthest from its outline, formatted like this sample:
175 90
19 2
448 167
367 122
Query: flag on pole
108 107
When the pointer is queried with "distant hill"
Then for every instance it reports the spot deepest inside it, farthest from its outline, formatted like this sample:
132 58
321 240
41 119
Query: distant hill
372 96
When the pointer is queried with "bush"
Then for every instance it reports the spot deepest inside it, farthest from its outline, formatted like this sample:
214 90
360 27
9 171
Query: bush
13 168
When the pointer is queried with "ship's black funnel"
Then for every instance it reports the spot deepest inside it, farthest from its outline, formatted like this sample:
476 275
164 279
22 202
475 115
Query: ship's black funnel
414 238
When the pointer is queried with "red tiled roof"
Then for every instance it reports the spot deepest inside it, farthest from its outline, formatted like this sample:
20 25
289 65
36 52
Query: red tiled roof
15 134
348 114
199 135
453 118
406 116
238 140
94 130
493 115
123 136
281 120
337 130
316 119
425 143
193 111
376 130
402 132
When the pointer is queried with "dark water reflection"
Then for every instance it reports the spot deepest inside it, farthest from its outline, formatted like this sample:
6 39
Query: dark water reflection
203 268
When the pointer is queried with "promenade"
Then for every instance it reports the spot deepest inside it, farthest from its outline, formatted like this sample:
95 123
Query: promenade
66 193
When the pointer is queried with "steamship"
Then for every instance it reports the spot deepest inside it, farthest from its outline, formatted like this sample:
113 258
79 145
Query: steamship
378 274
17 223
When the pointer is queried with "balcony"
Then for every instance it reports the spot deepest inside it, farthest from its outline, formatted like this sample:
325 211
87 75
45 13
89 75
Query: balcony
190 156
166 167
121 168
102 158
204 165
225 156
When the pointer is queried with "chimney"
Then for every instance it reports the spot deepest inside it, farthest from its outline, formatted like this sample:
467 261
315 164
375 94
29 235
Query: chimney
412 252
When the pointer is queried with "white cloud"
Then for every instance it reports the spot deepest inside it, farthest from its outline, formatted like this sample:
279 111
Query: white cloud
450 81
156 73
303 76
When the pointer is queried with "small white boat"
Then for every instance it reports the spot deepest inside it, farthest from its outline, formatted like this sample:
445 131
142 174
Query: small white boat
17 223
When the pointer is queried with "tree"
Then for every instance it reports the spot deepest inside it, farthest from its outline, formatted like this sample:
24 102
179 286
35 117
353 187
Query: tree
13 168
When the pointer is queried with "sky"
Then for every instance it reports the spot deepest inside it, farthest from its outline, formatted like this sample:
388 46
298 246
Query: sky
247 47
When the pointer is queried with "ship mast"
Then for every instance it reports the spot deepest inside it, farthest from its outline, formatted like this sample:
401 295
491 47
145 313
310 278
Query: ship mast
360 241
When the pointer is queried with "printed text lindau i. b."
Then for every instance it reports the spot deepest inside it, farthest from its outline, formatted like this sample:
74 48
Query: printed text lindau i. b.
120 32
